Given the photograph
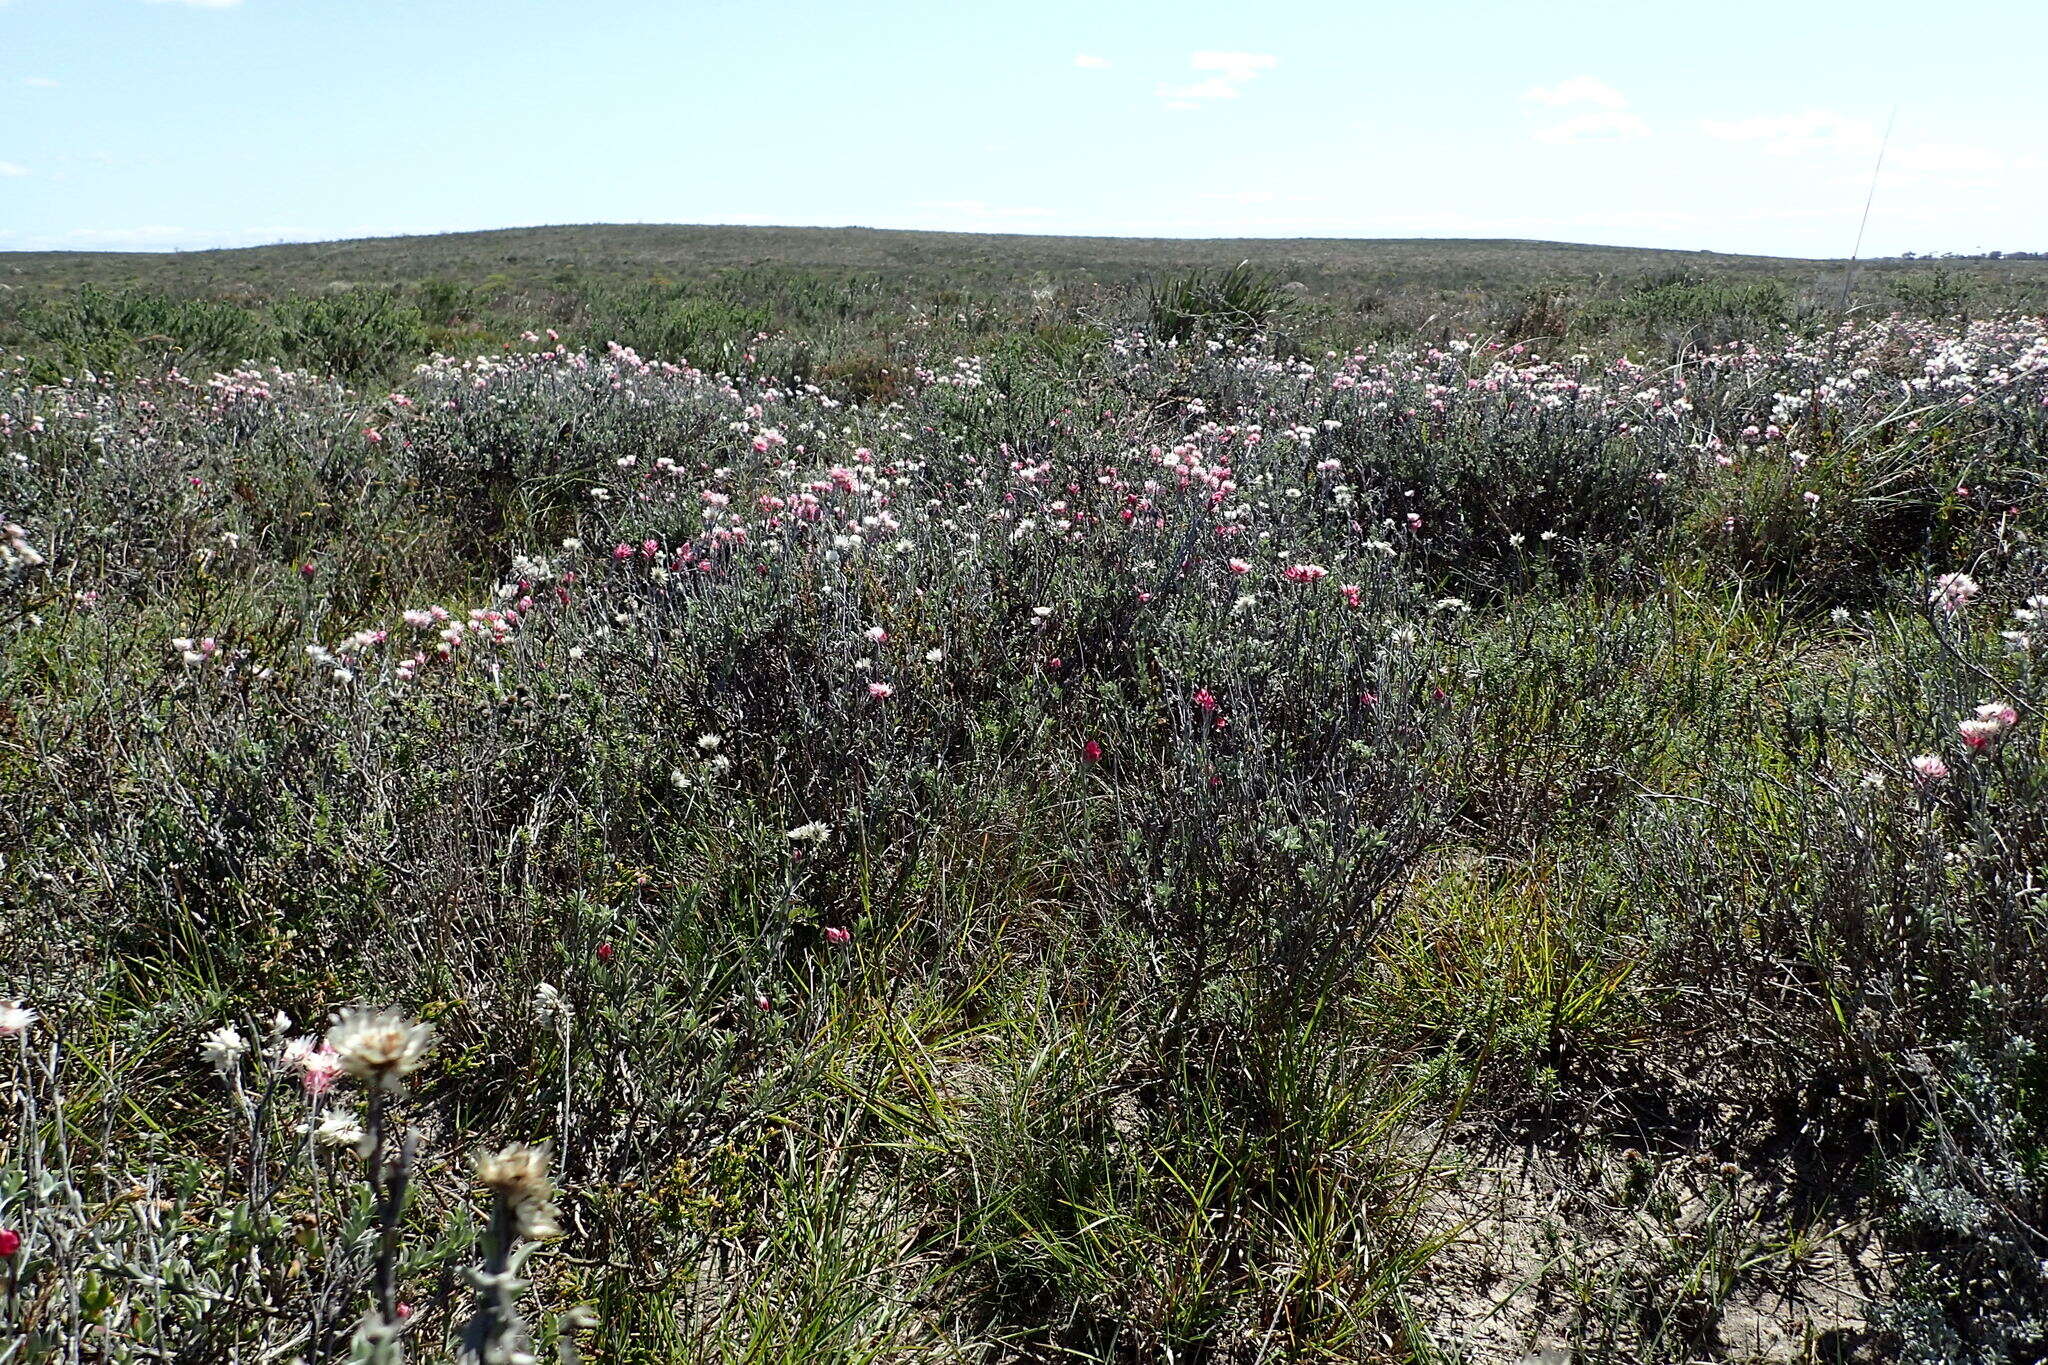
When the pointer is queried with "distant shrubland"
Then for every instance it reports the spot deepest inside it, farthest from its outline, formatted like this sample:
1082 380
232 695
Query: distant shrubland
869 810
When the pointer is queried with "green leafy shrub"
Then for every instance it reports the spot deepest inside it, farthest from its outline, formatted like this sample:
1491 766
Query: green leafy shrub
358 333
101 329
663 324
1228 305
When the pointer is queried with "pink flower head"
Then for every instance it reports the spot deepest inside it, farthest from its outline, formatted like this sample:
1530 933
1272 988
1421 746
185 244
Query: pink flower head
880 690
1928 768
835 934
321 1066
1992 718
10 1241
1304 573
1091 752
1205 699
1953 591
1240 566
1351 592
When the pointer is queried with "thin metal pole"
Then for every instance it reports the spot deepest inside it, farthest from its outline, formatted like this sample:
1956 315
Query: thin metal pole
1849 279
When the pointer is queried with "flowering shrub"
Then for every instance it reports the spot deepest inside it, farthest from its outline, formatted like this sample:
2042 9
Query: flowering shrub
1037 857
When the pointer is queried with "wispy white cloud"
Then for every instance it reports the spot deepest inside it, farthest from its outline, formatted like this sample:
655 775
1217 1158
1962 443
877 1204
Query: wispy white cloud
197 4
1236 67
12 168
1610 119
1848 146
1578 90
1801 134
1954 158
1229 72
1091 61
976 208
1609 125
39 82
155 235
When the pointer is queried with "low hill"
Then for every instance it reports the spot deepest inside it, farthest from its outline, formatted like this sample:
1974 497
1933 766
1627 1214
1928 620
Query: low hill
547 253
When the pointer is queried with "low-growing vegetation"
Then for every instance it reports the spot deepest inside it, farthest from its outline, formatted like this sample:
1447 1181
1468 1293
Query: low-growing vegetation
1097 827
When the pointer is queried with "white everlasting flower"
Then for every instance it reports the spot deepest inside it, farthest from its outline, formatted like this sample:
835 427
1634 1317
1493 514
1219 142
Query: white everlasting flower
380 1047
708 742
548 1000
16 1019
816 832
518 1174
341 1128
223 1047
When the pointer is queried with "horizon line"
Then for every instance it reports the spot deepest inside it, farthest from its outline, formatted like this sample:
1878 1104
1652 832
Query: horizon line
932 232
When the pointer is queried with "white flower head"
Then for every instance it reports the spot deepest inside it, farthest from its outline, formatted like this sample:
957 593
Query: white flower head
223 1047
16 1019
518 1174
341 1128
380 1047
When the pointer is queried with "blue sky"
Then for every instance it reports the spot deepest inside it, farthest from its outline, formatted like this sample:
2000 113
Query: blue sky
1737 126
